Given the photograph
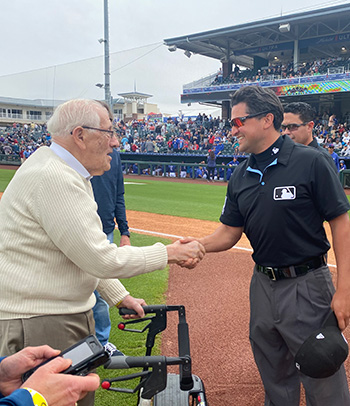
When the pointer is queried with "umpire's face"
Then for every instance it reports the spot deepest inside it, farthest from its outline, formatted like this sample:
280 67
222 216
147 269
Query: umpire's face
249 131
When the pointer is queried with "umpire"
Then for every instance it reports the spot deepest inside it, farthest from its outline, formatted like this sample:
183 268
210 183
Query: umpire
280 197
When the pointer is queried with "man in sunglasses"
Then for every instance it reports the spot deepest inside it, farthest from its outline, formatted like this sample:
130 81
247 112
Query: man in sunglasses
298 125
279 197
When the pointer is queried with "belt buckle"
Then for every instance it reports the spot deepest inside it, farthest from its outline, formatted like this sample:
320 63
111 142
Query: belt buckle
270 269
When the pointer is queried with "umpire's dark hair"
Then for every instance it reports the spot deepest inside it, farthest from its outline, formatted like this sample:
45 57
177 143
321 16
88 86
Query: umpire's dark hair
260 99
302 109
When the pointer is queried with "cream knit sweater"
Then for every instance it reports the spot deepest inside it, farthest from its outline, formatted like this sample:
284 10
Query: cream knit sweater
53 252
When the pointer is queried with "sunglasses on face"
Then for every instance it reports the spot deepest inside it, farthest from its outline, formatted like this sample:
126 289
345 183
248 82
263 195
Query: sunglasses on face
292 127
239 121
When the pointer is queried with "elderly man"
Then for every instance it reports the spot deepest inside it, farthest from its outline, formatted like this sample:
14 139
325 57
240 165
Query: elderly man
53 252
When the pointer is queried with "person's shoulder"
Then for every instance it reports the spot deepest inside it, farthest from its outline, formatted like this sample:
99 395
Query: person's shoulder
306 150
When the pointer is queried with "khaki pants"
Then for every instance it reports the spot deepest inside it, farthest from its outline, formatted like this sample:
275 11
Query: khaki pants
57 331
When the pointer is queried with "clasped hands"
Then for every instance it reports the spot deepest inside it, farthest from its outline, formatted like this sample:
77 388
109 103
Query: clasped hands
187 252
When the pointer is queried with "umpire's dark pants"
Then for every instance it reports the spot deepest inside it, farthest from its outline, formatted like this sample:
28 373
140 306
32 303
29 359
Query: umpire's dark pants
283 314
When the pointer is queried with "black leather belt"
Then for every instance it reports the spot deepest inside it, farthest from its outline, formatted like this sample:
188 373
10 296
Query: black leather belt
277 273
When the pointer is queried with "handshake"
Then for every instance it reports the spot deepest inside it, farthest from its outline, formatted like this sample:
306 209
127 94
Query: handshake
187 252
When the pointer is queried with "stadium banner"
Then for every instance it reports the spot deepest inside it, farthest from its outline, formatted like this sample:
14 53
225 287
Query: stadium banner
266 48
155 117
326 39
314 88
323 81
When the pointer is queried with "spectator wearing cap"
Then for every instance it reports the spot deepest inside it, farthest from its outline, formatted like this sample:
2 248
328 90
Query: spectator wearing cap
334 155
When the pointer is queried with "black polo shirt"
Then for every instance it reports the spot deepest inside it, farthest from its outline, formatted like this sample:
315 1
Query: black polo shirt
282 209
328 156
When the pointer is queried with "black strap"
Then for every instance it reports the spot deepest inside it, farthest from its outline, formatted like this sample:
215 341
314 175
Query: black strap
277 273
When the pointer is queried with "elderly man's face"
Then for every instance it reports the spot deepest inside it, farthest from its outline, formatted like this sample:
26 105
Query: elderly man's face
99 146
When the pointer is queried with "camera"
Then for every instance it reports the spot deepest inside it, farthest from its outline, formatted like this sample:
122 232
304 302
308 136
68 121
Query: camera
86 355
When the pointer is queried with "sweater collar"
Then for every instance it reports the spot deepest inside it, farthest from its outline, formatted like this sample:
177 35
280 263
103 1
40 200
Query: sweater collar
70 160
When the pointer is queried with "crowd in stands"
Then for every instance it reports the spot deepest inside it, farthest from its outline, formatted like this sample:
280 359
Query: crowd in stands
281 71
20 141
195 136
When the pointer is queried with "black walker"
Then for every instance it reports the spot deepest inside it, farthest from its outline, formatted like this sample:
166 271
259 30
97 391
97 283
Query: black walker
183 389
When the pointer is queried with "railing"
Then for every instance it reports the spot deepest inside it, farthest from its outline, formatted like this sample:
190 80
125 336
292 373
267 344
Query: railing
276 80
34 117
10 159
206 81
160 169
336 69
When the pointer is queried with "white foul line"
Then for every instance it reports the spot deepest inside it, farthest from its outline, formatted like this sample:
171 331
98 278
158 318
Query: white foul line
179 237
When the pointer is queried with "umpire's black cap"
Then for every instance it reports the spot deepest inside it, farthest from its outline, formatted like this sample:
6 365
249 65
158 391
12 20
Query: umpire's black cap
323 353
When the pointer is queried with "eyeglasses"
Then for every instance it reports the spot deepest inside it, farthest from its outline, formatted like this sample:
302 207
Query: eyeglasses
111 133
239 121
292 127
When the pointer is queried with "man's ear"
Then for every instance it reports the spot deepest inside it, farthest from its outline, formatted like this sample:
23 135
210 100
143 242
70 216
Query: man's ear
78 137
268 120
310 125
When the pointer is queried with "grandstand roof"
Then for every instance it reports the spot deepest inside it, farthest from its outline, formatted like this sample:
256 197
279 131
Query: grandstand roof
31 103
135 95
320 32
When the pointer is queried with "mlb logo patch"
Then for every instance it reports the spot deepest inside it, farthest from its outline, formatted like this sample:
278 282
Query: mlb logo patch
285 193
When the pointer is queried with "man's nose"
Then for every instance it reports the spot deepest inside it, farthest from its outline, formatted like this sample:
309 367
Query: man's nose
234 130
114 142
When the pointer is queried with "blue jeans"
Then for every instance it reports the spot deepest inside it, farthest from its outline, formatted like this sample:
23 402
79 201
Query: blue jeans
101 313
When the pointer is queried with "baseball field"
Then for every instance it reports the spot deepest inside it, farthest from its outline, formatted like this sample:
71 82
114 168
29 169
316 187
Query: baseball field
215 293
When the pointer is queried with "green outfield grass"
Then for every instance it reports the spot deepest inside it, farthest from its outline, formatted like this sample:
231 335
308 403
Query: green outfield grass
5 176
198 201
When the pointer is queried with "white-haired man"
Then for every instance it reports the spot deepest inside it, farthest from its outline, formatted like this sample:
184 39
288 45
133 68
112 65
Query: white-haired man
53 252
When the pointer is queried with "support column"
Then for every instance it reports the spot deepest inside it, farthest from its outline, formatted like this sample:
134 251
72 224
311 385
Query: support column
226 110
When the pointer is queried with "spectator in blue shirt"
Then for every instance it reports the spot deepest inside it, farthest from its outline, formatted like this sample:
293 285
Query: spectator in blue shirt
342 165
334 155
219 148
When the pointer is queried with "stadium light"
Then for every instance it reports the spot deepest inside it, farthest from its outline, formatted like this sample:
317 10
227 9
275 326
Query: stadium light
284 27
100 85
188 53
172 48
101 40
